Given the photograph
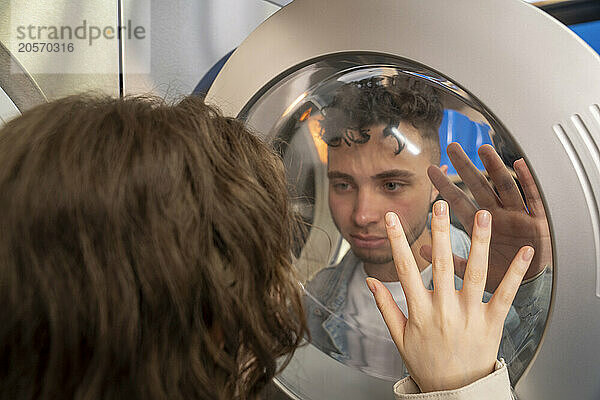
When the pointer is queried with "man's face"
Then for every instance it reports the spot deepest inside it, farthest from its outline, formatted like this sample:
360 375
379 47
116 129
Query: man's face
367 180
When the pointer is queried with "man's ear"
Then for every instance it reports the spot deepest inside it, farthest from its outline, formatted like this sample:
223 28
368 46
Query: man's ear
434 191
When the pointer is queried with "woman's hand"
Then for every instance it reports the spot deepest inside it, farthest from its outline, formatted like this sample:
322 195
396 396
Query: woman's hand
451 337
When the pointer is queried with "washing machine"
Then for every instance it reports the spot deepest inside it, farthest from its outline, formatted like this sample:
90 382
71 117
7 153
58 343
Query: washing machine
504 72
515 77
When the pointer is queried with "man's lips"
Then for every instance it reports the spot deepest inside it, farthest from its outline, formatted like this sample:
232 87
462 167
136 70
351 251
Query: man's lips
368 241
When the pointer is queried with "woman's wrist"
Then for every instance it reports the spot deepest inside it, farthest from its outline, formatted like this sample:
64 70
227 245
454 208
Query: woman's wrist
461 379
495 385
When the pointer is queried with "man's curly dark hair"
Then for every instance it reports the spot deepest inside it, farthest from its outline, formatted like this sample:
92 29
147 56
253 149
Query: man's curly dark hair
387 100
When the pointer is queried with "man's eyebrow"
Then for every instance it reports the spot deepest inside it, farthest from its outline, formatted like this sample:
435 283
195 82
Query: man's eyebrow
339 175
394 173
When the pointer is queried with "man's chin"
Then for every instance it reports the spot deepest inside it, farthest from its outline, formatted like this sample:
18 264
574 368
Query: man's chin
371 257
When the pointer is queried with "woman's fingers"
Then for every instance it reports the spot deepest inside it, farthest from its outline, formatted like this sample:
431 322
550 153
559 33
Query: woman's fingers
443 267
461 206
406 266
507 290
393 317
460 264
477 264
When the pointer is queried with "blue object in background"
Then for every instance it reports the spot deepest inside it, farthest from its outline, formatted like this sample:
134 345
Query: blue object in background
590 32
456 127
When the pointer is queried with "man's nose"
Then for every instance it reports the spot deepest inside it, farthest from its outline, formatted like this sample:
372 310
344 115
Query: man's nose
365 209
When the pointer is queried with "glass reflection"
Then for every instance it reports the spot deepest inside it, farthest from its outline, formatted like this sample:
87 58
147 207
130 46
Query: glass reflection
366 140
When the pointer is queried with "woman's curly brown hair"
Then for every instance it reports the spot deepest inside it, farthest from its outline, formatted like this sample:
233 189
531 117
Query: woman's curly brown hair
145 253
387 100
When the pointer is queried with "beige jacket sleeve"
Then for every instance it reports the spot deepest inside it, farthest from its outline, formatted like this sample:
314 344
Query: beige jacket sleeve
495 386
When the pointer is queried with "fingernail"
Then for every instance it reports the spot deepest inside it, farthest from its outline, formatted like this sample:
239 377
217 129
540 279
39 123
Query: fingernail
528 254
483 219
371 285
440 208
391 219
451 148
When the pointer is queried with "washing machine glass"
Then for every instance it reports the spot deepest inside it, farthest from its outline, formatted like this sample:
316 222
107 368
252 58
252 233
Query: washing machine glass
358 133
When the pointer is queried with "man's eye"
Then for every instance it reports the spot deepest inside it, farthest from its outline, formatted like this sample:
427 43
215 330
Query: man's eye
341 186
393 186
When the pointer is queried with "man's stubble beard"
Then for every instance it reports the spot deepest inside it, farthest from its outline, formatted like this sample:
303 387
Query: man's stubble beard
377 259
382 259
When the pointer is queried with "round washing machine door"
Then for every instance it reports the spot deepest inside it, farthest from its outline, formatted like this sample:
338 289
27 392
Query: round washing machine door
316 80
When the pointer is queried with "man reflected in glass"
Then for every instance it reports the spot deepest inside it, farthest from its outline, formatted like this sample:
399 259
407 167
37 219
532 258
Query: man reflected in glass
383 155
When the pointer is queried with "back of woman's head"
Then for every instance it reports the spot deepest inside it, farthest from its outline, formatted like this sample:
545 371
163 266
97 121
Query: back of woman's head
144 253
